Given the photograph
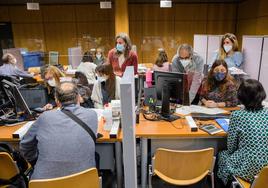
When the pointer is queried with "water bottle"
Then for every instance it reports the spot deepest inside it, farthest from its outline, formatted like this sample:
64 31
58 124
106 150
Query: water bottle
149 78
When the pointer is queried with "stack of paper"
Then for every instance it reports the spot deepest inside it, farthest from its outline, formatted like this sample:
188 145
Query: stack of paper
185 110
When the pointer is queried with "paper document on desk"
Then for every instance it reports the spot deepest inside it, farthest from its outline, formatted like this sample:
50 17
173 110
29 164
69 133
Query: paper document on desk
184 110
23 130
236 71
99 113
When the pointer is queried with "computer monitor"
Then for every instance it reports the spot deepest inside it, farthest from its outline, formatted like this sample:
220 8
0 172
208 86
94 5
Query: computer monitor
53 58
172 87
16 98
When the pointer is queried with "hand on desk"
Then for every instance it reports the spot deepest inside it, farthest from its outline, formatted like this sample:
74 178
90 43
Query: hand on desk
211 104
48 106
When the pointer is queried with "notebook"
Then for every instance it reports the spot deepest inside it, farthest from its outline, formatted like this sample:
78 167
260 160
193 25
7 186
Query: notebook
224 123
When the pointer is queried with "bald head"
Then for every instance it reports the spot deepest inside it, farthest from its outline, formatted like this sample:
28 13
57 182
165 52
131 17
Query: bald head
67 93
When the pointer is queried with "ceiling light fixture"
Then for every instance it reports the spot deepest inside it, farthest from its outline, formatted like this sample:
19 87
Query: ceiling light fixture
105 4
33 6
165 3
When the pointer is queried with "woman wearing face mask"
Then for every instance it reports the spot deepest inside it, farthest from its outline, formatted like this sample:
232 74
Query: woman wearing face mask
229 51
122 56
52 77
9 67
107 87
219 88
100 59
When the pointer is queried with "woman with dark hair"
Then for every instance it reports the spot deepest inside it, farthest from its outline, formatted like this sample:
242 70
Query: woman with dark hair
81 78
161 63
88 67
247 149
219 88
122 56
107 87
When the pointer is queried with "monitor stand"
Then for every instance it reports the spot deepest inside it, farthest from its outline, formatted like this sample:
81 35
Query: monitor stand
170 117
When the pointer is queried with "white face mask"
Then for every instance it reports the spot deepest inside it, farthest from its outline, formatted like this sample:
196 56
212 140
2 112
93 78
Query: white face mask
185 62
227 48
98 56
102 78
52 82
13 61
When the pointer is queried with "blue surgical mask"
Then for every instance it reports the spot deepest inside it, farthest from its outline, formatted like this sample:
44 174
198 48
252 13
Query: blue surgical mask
219 76
120 47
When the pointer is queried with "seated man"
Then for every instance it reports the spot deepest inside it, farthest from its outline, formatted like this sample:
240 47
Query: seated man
58 144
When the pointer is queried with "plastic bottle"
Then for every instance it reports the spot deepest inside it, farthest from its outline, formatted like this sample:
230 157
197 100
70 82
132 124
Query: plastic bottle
149 78
108 117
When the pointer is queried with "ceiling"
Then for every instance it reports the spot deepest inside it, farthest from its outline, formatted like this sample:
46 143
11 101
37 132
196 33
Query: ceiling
17 2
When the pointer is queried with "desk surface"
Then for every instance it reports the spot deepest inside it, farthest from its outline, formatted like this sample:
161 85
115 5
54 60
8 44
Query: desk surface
178 128
7 131
164 129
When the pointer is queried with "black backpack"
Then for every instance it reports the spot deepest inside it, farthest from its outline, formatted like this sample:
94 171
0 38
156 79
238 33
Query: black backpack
21 179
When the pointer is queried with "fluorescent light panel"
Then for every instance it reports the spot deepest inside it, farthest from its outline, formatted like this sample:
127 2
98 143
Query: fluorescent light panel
105 4
165 3
33 6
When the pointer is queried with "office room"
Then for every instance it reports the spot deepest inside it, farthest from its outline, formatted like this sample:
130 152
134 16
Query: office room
134 93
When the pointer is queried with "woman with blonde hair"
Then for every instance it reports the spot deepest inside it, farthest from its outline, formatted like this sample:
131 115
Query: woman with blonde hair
52 77
229 51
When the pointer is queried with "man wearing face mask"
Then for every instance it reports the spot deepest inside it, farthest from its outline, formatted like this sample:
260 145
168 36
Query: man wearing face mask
186 61
122 56
9 67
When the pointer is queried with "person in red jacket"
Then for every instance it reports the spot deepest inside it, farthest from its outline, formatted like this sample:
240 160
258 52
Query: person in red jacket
122 56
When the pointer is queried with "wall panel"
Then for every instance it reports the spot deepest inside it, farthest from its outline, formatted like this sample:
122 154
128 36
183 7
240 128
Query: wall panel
19 14
60 37
58 13
4 14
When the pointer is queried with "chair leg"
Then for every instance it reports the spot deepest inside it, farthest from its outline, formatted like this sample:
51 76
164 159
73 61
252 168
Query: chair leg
235 184
150 174
100 182
212 180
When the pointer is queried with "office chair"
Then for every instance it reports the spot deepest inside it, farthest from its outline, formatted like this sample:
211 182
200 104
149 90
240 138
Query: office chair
260 180
10 166
182 167
85 179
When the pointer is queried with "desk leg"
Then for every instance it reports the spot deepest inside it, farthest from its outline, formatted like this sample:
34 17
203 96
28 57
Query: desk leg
118 161
144 161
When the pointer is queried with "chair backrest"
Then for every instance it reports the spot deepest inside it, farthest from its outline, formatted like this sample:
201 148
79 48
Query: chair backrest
183 167
261 180
9 166
85 179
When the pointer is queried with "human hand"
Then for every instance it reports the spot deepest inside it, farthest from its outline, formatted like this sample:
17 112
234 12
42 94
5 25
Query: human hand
211 104
48 107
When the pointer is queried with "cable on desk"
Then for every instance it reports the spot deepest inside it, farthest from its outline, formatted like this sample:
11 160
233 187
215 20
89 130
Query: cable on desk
176 126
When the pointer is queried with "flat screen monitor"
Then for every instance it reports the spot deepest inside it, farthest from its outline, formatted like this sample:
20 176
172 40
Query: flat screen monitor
16 98
172 87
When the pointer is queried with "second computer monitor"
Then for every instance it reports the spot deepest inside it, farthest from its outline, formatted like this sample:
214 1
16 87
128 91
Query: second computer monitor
178 84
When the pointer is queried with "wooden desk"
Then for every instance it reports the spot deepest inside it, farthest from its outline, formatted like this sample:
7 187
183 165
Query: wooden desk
173 135
105 146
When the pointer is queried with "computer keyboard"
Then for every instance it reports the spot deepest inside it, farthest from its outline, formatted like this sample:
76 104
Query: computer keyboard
203 116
